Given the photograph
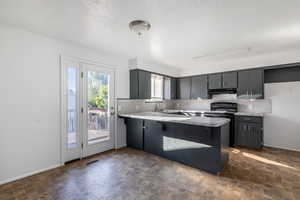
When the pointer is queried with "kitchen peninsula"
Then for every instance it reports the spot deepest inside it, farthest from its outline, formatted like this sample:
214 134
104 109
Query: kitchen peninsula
199 142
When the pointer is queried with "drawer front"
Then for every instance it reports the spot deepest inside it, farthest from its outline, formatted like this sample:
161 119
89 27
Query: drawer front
250 119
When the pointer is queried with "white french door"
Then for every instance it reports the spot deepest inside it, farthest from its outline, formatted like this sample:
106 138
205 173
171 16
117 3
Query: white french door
87 109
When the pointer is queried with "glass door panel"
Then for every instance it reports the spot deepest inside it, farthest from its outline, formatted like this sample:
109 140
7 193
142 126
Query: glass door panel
72 108
98 107
70 102
98 101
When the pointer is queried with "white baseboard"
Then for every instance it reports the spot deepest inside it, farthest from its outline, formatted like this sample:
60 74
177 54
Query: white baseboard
28 174
121 146
279 147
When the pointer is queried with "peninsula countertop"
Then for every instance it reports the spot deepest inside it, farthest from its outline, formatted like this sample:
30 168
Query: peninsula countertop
191 120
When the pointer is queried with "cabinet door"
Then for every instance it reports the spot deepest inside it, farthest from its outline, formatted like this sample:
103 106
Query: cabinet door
215 81
249 135
199 87
257 83
254 135
241 134
134 133
153 139
173 88
184 88
144 84
230 80
134 84
250 84
243 84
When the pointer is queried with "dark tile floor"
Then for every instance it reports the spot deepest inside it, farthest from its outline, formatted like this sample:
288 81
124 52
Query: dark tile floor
129 174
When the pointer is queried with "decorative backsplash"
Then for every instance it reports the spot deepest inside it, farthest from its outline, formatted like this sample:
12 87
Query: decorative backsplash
244 105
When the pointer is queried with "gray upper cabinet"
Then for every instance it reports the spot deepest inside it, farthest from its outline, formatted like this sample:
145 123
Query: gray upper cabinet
173 88
134 84
215 81
184 88
144 85
225 80
199 87
140 84
229 80
251 84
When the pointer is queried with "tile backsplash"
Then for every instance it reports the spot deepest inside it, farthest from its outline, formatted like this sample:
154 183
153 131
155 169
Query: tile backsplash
252 106
131 106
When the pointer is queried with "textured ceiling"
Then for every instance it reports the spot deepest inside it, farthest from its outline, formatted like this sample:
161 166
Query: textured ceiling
211 29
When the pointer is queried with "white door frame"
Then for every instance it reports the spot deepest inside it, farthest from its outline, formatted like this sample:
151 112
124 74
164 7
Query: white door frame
63 103
106 145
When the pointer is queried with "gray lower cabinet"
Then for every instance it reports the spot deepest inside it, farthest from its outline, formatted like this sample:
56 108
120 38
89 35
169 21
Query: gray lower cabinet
200 147
140 84
192 145
135 135
251 84
184 88
153 137
199 87
249 131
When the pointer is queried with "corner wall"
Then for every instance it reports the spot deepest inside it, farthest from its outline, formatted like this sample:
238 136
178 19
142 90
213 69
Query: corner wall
30 98
282 126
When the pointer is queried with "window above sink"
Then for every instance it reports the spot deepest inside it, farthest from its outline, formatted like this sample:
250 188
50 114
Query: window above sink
157 86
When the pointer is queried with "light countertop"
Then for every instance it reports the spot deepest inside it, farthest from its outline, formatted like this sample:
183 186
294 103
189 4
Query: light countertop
203 111
250 114
191 120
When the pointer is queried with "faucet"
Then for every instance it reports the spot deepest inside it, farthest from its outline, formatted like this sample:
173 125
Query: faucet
156 108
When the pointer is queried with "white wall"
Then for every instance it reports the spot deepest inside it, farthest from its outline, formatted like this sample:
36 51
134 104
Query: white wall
282 126
30 98
251 61
136 63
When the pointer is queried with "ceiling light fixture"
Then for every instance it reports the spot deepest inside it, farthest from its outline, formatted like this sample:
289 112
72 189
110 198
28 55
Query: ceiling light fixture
139 26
